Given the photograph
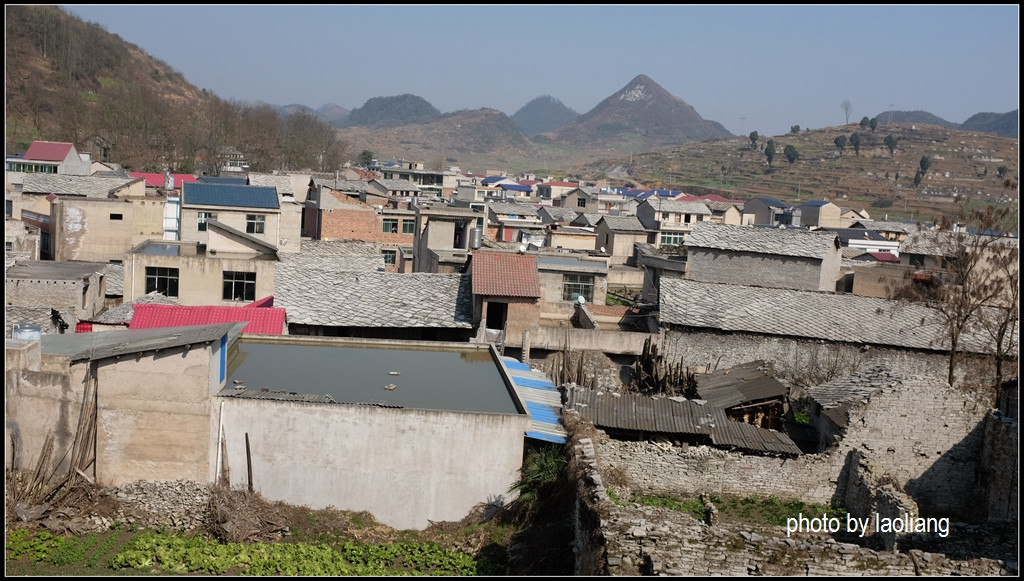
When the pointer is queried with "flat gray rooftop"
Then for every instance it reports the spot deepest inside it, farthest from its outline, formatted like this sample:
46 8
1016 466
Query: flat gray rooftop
450 377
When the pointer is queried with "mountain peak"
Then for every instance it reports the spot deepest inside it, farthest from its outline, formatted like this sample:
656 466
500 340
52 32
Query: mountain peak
641 88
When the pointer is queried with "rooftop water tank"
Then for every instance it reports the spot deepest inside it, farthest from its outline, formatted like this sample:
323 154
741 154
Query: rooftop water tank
27 331
475 238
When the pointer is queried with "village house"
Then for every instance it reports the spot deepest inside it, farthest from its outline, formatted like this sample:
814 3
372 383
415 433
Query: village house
437 183
562 237
581 200
669 221
395 188
72 290
335 216
556 215
616 235
38 198
52 157
255 210
770 212
444 235
770 257
554 190
514 222
820 213
897 231
506 294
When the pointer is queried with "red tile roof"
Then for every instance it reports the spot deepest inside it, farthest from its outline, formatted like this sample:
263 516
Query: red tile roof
264 302
503 274
48 151
884 257
156 180
262 321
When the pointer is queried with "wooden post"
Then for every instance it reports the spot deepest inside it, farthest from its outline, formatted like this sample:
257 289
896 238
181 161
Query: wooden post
248 460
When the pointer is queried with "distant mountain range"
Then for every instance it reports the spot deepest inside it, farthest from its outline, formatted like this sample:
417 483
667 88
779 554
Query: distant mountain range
543 114
1002 124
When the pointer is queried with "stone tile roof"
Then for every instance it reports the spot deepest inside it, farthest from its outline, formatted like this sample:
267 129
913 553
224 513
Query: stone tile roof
836 317
398 185
65 185
557 214
853 387
123 313
886 226
510 208
373 299
113 274
716 206
587 219
334 248
782 242
680 207
624 223
504 274
944 242
21 315
283 183
355 186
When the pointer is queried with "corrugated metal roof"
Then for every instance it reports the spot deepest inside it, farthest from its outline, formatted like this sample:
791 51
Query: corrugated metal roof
96 346
48 151
240 196
542 399
667 416
739 384
504 274
261 321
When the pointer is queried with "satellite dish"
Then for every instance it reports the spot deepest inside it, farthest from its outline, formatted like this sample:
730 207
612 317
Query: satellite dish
581 300
522 248
602 250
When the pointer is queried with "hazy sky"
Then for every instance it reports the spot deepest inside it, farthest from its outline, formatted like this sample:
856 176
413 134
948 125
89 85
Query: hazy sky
751 68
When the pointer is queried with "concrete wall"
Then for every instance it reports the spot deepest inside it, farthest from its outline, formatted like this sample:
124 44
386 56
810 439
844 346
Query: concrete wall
553 338
405 466
154 418
1001 466
200 277
874 279
86 230
233 218
792 272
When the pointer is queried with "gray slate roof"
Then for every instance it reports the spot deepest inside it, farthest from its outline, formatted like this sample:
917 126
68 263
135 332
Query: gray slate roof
843 318
65 185
398 185
853 387
20 315
50 270
337 248
113 274
777 241
550 214
624 223
122 314
283 183
373 299
510 208
95 346
680 207
355 186
944 242
886 226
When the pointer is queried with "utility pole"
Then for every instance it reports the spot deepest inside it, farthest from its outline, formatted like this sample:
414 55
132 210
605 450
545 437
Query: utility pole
890 113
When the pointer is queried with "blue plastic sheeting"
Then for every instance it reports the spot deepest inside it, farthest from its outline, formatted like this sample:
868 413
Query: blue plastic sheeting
547 437
517 365
538 383
542 413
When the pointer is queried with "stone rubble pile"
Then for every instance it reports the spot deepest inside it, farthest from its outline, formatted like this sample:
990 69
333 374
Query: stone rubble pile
177 504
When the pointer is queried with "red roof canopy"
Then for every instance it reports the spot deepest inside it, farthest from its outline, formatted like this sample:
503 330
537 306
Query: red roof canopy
48 151
156 180
262 321
503 274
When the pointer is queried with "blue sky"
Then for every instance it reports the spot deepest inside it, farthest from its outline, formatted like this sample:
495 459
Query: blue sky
751 68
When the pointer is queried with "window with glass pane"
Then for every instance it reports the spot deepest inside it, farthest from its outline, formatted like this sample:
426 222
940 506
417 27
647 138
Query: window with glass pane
255 224
163 280
390 225
581 202
390 256
672 238
239 286
577 285
203 217
408 226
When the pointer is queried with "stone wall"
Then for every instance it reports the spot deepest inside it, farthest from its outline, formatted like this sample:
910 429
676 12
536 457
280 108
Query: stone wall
1001 465
618 540
926 436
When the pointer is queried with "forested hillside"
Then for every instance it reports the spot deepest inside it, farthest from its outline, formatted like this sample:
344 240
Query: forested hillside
69 80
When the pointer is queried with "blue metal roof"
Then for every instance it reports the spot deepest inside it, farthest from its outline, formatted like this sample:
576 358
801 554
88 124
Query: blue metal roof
816 203
517 365
200 194
491 179
774 202
547 437
515 187
538 383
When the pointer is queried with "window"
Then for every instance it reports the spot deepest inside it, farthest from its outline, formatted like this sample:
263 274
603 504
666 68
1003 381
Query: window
255 224
239 286
117 217
581 202
390 225
577 285
204 216
163 280
672 238
390 256
687 218
408 226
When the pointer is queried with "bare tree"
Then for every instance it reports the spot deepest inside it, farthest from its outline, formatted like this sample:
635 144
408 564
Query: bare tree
974 284
847 107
